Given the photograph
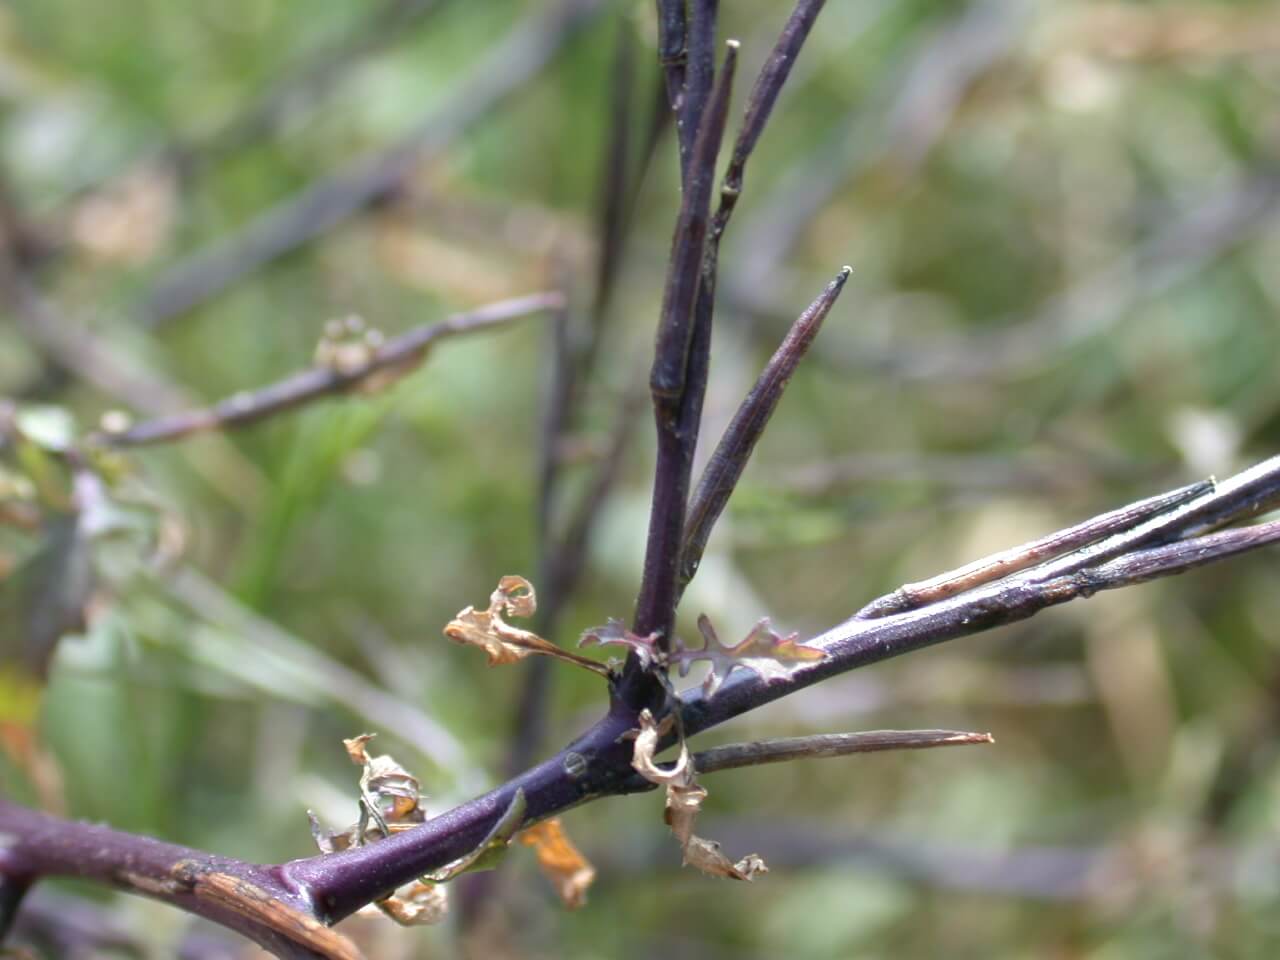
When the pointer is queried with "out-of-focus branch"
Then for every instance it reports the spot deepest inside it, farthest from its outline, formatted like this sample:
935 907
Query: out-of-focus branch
504 71
13 890
785 749
76 927
1188 242
916 103
391 360
316 74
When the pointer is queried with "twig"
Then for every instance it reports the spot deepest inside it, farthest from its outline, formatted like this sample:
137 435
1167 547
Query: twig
785 749
310 80
675 325
1186 243
699 77
596 764
617 189
918 100
672 53
678 378
507 69
760 102
243 897
397 356
998 565
725 467
858 642
76 927
1048 473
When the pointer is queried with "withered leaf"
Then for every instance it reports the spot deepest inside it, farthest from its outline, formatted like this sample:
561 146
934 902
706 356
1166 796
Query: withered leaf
615 633
390 795
762 651
418 904
707 856
390 801
684 802
503 643
560 861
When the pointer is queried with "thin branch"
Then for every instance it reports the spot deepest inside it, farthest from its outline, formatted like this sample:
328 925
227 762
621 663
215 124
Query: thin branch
310 80
786 749
243 897
617 190
1174 558
903 119
596 764
504 71
77 927
672 52
678 378
725 467
571 556
395 358
858 642
913 595
764 94
699 78
675 326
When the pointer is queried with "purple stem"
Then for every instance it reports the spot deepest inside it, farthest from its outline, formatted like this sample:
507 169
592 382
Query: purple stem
678 380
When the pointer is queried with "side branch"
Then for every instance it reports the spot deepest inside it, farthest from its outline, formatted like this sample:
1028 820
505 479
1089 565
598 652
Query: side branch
860 642
912 596
503 72
249 899
394 359
725 467
785 749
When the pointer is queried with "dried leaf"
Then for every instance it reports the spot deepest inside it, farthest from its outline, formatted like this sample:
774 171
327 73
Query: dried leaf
418 904
647 744
503 643
390 801
684 802
561 862
615 633
707 857
390 795
762 651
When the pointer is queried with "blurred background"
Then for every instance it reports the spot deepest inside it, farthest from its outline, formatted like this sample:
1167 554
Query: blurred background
1061 219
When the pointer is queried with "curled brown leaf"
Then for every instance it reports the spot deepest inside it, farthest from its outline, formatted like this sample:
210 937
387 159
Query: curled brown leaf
503 643
684 802
560 861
